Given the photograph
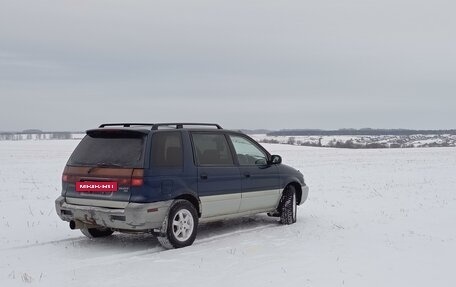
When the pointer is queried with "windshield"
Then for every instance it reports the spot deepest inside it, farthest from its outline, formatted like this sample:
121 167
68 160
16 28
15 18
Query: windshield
110 151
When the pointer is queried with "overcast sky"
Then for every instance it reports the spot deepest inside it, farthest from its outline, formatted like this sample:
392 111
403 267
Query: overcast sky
71 65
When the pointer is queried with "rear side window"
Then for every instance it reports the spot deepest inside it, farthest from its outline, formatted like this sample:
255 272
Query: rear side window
167 149
211 149
116 149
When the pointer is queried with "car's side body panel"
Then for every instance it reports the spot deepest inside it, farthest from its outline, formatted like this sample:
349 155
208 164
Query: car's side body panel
165 183
218 205
260 200
260 182
219 190
260 187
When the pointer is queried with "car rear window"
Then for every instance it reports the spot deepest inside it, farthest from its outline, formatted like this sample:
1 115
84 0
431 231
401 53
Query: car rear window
110 149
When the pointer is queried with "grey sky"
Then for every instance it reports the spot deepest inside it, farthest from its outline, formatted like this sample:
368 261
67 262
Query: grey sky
70 65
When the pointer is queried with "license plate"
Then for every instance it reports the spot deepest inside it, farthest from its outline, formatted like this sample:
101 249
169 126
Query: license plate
96 186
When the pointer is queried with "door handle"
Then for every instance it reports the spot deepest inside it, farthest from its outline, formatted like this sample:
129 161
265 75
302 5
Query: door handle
247 175
203 176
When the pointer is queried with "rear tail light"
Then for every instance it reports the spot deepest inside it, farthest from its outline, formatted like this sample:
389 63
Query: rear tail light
137 181
70 178
137 177
128 181
65 175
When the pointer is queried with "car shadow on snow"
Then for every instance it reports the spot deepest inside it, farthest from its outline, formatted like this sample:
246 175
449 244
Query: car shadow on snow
228 227
206 232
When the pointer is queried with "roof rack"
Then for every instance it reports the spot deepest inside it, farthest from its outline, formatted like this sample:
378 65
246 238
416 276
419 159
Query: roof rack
126 125
156 126
181 125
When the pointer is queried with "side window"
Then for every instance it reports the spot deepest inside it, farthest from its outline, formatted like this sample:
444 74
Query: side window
212 149
247 153
167 149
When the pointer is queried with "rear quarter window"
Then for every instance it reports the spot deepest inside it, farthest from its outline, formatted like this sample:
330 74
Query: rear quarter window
167 149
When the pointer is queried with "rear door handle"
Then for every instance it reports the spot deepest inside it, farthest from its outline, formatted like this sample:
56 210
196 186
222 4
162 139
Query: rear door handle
247 174
203 176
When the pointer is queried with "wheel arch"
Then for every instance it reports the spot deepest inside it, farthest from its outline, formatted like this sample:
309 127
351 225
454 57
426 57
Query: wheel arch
298 189
193 200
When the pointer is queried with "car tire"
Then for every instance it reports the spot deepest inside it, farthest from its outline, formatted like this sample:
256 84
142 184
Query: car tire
288 206
96 232
180 227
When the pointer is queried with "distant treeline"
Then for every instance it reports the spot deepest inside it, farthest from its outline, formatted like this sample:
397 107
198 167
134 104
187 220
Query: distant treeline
36 135
257 131
360 132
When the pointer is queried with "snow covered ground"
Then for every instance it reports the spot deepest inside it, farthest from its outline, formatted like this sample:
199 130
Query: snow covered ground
359 141
374 218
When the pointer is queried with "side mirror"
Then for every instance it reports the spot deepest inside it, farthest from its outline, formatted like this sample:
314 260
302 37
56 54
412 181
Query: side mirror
276 159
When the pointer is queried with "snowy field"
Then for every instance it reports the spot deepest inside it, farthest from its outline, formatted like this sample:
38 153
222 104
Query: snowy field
373 218
394 141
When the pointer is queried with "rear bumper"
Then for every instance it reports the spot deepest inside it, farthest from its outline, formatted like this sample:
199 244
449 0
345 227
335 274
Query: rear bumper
305 193
133 217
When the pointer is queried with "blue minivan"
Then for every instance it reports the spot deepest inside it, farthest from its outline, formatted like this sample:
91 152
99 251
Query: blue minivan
166 178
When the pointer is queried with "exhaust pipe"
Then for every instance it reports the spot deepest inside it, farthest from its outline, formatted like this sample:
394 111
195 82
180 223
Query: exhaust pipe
76 224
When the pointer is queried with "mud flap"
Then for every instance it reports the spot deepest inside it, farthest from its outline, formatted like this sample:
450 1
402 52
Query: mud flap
162 235
163 229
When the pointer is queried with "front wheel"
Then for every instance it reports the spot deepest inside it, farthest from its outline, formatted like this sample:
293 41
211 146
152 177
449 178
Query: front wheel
288 206
181 226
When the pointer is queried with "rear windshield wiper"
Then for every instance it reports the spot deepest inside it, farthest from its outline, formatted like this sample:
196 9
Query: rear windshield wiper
103 164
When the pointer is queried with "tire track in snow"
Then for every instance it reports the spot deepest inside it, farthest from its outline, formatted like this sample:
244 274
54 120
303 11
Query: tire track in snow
238 232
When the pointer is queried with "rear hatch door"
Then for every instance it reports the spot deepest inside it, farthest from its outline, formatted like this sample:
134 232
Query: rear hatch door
105 158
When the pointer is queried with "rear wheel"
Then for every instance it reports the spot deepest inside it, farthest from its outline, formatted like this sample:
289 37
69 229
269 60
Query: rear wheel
96 232
288 206
180 226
